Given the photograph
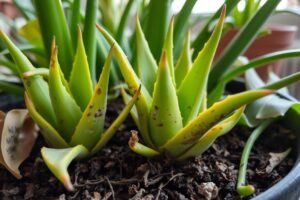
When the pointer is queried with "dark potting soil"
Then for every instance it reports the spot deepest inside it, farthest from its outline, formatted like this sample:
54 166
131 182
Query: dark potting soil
118 173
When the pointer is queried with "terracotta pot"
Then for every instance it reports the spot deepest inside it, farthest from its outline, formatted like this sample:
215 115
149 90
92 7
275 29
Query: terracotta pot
8 8
280 38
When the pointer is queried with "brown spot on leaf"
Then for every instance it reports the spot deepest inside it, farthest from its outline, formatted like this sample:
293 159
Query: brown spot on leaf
99 91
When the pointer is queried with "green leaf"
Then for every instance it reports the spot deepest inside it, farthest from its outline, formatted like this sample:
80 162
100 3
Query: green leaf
53 23
212 134
11 88
240 43
67 112
108 134
165 119
50 135
124 21
184 62
133 82
134 113
18 134
80 82
156 25
204 35
74 21
260 61
36 87
58 161
91 124
89 35
168 47
195 129
181 25
192 88
139 148
147 67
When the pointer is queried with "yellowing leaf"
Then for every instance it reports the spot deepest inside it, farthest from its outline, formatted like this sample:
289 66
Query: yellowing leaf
18 136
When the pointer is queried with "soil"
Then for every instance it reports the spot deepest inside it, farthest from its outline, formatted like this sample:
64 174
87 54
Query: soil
118 173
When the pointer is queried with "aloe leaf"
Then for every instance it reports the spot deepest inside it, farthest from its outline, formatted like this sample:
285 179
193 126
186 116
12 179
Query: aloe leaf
283 82
36 87
212 134
147 67
91 124
241 42
89 35
124 21
51 16
139 148
204 35
58 161
192 88
195 129
156 25
216 94
74 21
133 82
168 47
67 112
260 61
134 113
108 134
51 136
184 62
181 25
18 134
80 82
165 119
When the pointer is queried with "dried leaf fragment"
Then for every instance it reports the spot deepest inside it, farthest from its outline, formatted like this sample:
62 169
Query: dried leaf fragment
18 135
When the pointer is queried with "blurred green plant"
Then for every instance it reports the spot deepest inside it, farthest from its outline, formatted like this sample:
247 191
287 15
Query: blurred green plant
70 113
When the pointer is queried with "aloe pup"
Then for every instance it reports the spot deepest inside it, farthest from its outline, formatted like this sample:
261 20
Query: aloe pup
70 114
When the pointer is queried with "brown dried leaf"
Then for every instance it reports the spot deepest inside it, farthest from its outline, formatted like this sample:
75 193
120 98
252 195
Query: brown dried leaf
18 135
276 159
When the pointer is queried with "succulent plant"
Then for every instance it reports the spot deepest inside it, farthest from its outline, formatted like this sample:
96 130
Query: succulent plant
70 113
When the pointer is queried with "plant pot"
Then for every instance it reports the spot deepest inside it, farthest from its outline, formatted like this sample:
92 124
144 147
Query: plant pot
280 38
288 187
8 9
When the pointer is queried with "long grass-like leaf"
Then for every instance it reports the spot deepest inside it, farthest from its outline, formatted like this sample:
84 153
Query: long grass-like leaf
203 36
156 25
89 35
241 42
181 25
53 24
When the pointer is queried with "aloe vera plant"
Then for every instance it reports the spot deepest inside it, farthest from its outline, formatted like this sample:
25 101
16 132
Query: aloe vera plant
70 113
